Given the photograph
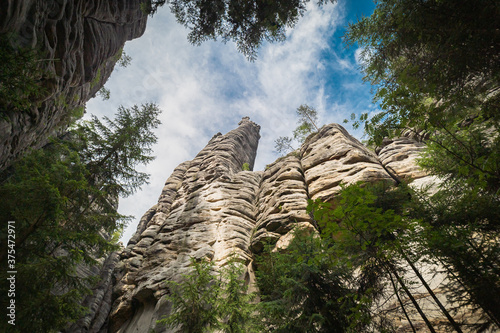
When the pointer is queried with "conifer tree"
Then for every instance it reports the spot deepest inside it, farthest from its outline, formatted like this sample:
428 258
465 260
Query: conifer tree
206 300
304 288
436 71
63 199
307 124
194 300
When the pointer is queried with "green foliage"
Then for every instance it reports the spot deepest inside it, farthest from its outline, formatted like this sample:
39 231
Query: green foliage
460 230
375 227
357 122
435 66
367 230
247 23
105 93
194 300
113 149
95 81
115 237
467 153
432 61
367 220
237 307
245 167
122 58
58 226
283 145
21 74
302 132
204 301
62 199
308 117
306 288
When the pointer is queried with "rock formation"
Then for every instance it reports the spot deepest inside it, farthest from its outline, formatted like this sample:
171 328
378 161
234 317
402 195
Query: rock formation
206 209
81 40
210 208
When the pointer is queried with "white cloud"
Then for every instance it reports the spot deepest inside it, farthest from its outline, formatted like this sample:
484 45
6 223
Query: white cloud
207 89
357 55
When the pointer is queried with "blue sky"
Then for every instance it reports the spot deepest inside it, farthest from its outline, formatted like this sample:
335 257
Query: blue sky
207 89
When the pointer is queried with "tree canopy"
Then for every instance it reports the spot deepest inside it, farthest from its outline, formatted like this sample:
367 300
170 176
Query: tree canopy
63 199
307 124
205 300
432 62
436 70
248 23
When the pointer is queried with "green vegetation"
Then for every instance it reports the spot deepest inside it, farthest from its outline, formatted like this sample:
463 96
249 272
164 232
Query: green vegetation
63 198
205 301
21 73
307 124
194 300
122 58
95 81
433 63
331 281
304 289
245 167
436 71
104 93
247 23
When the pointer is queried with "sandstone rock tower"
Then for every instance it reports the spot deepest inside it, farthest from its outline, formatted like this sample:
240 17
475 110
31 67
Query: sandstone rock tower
206 209
211 208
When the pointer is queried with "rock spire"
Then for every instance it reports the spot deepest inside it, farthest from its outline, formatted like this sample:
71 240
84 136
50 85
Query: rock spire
211 209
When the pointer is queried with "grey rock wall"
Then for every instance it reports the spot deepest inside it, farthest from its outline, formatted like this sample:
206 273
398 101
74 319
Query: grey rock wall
81 42
210 209
206 210
99 302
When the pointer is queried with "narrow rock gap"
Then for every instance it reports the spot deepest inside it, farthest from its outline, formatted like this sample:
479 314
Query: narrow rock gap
390 172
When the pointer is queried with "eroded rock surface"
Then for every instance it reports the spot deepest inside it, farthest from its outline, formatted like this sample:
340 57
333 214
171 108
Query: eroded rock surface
211 210
333 156
81 41
206 210
99 302
399 157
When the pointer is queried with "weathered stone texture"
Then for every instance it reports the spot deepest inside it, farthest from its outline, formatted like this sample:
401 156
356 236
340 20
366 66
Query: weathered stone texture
211 210
206 211
81 42
281 201
333 157
99 302
399 156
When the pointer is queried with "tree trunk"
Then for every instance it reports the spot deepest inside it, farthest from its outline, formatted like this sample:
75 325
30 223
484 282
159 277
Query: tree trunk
431 292
401 303
417 307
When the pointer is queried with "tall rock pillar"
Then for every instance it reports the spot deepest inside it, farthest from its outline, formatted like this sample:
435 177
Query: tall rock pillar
206 211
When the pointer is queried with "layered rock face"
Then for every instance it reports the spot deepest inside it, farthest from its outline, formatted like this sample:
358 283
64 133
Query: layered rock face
99 301
211 209
81 41
206 210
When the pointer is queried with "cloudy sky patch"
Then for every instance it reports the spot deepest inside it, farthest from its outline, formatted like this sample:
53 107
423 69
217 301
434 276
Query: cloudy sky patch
207 89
